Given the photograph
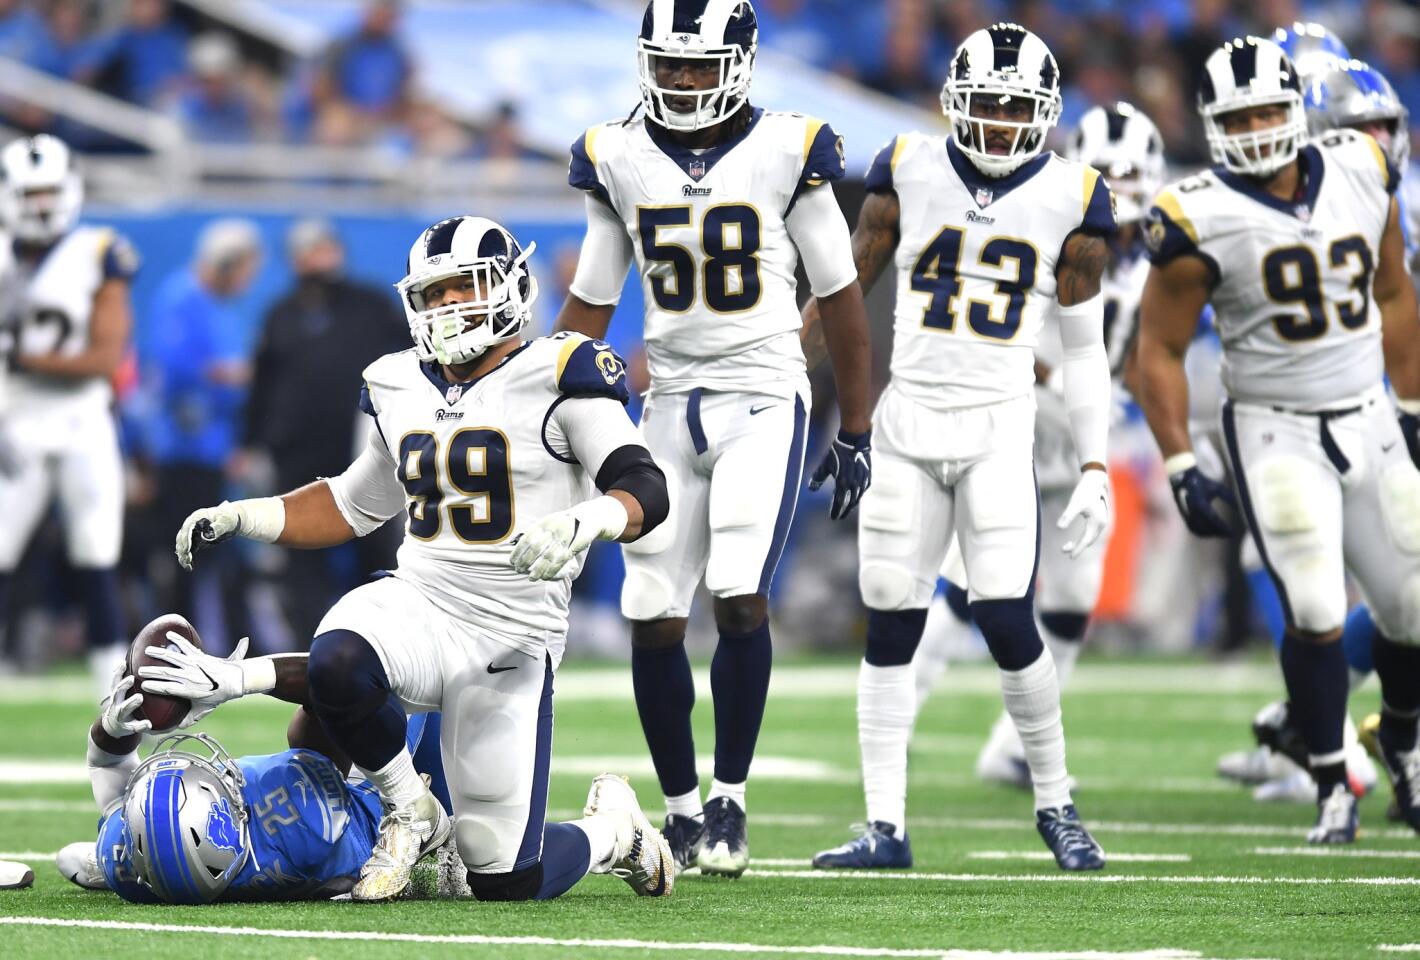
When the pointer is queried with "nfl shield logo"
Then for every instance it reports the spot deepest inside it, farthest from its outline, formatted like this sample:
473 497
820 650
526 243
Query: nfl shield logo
983 197
453 393
696 169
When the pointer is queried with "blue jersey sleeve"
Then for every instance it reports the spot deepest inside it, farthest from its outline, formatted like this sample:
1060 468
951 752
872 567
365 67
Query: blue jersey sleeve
879 179
582 171
591 368
121 260
116 862
1099 209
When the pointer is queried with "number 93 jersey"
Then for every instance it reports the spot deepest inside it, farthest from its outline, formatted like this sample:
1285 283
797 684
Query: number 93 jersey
713 244
1291 280
473 465
976 259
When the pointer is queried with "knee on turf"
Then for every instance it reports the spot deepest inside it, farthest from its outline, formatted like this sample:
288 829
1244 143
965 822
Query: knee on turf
517 885
890 586
1008 626
893 636
345 674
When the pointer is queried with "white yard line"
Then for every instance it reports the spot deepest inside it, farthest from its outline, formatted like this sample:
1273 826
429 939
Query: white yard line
829 950
1048 856
1342 852
1399 947
26 855
1086 878
48 806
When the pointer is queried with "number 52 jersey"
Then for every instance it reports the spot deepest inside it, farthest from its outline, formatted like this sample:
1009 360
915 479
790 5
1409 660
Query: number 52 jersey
1292 280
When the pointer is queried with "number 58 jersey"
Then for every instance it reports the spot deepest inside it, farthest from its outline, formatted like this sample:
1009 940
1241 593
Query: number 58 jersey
1292 280
473 465
976 259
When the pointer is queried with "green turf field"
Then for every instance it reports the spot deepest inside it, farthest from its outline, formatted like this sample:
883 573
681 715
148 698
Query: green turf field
1212 874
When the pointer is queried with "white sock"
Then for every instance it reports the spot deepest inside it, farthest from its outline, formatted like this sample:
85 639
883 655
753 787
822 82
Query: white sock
735 791
685 805
1032 698
397 782
886 710
1064 653
601 838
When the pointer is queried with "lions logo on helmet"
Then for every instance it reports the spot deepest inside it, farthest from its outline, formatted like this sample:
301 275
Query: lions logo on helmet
996 69
1123 144
502 289
1356 95
1245 73
40 192
722 32
186 821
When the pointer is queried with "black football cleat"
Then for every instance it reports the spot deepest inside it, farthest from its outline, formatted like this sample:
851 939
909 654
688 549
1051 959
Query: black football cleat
1067 838
726 849
878 848
1403 768
686 835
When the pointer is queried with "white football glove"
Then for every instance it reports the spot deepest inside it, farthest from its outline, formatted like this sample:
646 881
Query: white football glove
551 547
117 713
261 519
205 681
1090 502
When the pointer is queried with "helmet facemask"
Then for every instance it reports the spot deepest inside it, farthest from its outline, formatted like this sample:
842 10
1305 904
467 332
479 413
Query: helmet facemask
40 213
713 105
498 306
974 134
1257 153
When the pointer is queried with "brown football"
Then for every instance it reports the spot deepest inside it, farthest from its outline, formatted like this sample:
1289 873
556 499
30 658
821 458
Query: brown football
164 712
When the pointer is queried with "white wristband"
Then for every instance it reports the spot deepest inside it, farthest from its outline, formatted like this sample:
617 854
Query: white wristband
1411 407
261 519
258 675
606 515
1180 462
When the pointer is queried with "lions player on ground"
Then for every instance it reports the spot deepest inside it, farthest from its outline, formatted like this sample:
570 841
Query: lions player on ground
71 330
1299 249
992 236
478 435
1123 144
717 201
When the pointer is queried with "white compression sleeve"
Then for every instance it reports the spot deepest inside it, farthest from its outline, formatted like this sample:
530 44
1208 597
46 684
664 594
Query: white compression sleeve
820 233
1084 367
605 258
369 492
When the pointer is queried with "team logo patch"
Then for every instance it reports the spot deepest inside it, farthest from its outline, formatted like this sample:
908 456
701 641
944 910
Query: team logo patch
842 157
611 366
696 169
454 392
984 197
222 830
1154 233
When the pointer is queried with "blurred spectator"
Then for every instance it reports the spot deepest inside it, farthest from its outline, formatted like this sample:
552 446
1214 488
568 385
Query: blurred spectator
145 60
216 108
315 344
195 361
369 71
504 139
21 29
63 46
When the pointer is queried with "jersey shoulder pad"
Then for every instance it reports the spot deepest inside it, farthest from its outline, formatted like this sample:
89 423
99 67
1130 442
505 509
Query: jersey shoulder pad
589 152
589 368
119 258
883 169
384 375
1360 153
1096 201
824 160
1171 227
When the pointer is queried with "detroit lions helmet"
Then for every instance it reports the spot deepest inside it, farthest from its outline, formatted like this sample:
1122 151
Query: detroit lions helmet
1310 46
186 820
1244 73
1002 63
723 31
1123 144
40 192
1355 94
503 289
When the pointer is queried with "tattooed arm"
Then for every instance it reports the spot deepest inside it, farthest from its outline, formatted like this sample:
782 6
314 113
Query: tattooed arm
874 240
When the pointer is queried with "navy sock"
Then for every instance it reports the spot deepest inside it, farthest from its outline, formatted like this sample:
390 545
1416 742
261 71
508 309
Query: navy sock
893 636
422 739
1316 687
1066 626
103 611
1268 605
1398 667
566 858
351 695
665 695
1008 627
739 682
1358 638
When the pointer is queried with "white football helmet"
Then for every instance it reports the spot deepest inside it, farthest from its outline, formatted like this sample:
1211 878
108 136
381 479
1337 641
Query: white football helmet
40 193
725 31
1002 61
186 821
1251 72
1123 144
504 287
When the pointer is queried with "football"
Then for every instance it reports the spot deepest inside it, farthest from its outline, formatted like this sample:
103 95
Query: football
164 712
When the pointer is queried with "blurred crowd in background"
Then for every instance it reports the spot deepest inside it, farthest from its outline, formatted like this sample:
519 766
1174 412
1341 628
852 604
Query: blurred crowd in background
249 339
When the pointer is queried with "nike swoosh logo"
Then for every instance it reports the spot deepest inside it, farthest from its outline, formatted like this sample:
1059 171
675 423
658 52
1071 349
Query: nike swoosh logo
208 676
493 669
754 410
1386 447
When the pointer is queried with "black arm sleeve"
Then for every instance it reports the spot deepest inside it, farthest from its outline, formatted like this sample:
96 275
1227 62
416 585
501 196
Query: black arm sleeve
631 469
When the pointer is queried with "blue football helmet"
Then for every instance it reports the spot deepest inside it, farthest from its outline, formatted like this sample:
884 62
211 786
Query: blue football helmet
186 820
1354 94
1311 47
723 31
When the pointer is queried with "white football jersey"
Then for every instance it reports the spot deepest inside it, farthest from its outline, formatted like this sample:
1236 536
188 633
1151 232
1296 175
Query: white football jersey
976 263
477 464
1292 291
712 245
54 305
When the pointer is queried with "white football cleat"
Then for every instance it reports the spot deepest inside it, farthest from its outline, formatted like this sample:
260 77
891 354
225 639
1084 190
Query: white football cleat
15 875
79 864
643 857
406 835
1256 766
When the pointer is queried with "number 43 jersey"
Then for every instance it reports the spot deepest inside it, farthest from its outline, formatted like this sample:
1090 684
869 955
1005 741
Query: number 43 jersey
976 260
475 464
1292 280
